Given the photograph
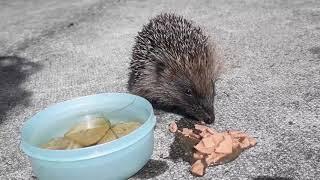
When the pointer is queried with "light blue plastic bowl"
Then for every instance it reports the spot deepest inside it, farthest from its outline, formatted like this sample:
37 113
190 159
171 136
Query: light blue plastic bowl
116 160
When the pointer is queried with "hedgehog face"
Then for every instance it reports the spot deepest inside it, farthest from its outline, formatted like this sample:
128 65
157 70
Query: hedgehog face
196 98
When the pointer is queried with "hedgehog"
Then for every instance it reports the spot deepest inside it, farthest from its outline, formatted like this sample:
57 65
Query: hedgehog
174 65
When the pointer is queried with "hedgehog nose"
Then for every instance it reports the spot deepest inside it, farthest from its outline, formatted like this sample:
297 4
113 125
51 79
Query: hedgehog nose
209 119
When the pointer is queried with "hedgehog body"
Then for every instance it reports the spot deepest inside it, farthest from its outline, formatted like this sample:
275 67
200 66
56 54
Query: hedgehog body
174 65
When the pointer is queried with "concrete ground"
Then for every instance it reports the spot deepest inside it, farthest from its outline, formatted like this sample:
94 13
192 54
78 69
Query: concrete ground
56 50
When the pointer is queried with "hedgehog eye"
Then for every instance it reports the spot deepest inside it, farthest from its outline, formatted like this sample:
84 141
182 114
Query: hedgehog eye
188 92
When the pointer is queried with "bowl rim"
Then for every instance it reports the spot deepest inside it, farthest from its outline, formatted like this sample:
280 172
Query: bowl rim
92 151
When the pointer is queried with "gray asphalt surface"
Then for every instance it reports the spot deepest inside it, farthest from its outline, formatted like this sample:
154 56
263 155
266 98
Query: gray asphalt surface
56 50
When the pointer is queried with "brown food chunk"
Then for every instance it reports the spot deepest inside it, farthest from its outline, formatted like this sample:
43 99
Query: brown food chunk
225 146
173 127
205 146
200 127
198 168
252 141
217 138
214 158
212 148
204 128
186 131
198 155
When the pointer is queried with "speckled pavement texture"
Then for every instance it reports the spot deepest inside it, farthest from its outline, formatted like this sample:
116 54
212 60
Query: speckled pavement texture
56 50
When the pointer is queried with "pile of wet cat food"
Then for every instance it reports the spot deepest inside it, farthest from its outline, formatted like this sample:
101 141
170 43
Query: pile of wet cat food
92 131
208 147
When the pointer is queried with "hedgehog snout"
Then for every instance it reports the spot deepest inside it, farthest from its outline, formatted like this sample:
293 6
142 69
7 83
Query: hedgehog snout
209 118
204 114
207 108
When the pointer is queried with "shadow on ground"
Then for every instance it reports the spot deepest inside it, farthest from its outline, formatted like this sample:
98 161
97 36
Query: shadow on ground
177 149
271 178
316 51
152 169
14 71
